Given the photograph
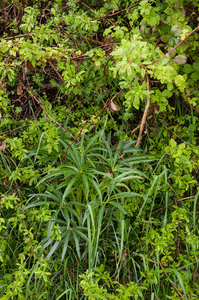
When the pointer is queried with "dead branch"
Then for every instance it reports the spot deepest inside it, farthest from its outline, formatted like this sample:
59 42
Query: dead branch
145 113
134 130
50 63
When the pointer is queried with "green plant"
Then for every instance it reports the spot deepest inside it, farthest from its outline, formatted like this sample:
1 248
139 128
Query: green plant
92 290
87 188
72 191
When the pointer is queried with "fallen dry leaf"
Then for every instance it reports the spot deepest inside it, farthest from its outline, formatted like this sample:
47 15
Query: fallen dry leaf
30 66
113 106
154 28
19 90
110 174
6 182
142 28
2 146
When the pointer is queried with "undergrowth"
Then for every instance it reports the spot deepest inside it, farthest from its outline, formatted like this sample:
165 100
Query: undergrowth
99 149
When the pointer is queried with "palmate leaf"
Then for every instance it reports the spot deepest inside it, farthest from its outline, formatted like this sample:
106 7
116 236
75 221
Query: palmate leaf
44 156
108 150
120 179
129 150
66 216
92 156
101 159
103 174
38 203
121 169
119 240
92 217
123 148
45 178
126 145
111 206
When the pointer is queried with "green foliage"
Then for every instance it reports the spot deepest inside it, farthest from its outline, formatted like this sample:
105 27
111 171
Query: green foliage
93 291
89 192
82 209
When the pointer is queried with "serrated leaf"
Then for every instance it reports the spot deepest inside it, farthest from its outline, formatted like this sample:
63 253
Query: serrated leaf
180 59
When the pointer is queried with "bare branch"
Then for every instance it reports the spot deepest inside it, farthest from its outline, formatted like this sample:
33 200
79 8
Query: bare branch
145 113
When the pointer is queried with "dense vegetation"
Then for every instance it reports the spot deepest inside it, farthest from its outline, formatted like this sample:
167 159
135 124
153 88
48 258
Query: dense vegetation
99 116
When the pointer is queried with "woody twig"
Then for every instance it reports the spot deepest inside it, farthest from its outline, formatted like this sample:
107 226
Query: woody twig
197 28
134 130
145 113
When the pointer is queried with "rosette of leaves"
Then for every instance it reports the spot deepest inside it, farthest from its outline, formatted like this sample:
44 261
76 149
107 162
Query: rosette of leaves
87 191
